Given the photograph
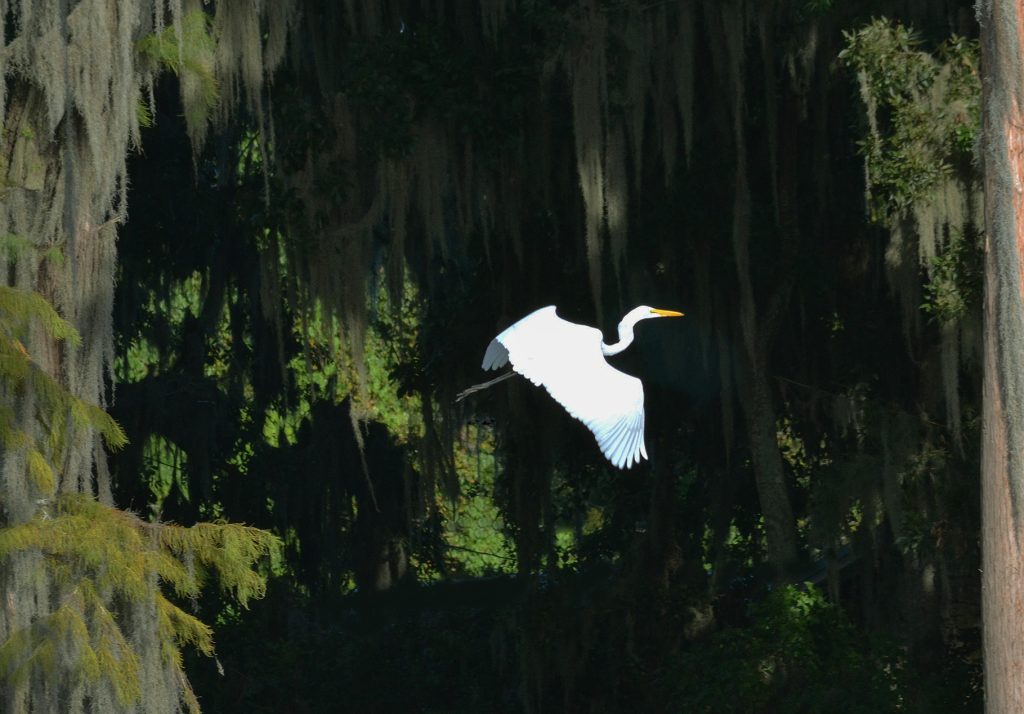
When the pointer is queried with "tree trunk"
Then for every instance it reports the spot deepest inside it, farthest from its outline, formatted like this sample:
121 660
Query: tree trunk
769 475
1002 467
727 23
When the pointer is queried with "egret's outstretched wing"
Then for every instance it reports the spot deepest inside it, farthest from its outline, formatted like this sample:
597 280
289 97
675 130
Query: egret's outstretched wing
566 359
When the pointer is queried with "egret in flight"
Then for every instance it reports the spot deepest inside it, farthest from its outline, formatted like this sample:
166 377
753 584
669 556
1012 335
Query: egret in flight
568 360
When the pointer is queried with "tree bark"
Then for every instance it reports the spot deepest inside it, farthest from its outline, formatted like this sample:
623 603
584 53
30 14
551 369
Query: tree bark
755 328
1002 467
727 23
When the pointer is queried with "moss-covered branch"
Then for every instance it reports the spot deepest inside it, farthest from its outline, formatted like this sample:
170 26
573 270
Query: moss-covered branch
104 562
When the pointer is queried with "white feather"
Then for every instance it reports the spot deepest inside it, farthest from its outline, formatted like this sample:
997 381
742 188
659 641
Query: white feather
567 360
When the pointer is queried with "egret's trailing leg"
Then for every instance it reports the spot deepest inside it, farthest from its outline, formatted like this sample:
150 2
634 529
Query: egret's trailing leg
483 385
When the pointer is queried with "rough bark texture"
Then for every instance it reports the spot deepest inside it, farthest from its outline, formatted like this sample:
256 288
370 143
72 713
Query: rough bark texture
1003 438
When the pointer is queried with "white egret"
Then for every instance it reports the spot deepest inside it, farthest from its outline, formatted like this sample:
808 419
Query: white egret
568 360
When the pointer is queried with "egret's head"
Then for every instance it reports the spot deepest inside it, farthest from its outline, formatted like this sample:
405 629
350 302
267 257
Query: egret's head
632 317
644 312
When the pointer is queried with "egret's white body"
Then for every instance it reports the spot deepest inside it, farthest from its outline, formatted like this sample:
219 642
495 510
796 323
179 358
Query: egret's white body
568 360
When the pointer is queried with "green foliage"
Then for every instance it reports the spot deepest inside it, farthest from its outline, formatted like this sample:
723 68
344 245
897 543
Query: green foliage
19 371
191 58
100 563
164 467
474 527
81 638
923 112
19 307
55 407
17 246
799 653
955 279
144 114
389 392
98 555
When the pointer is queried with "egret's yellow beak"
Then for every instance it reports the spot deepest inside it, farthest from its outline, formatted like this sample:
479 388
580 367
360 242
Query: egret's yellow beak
666 313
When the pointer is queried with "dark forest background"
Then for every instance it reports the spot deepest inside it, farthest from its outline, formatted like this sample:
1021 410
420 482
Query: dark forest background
305 282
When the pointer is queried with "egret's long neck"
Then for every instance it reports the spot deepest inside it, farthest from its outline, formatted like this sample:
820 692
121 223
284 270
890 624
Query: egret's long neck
625 337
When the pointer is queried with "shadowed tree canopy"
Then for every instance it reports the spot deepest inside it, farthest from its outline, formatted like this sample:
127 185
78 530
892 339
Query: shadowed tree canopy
324 210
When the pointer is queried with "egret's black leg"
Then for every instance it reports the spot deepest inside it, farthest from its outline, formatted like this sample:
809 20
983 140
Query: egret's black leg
484 385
